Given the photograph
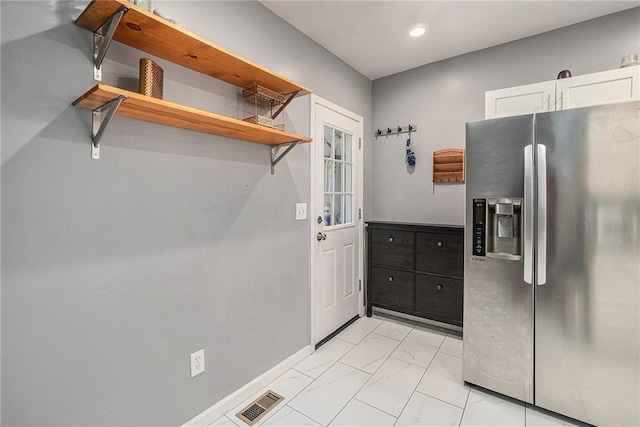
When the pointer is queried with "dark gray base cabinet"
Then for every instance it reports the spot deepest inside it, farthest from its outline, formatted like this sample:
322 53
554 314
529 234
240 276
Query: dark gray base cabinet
416 269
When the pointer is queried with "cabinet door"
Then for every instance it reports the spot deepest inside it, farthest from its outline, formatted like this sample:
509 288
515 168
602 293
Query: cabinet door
514 101
599 88
392 248
439 297
392 288
440 253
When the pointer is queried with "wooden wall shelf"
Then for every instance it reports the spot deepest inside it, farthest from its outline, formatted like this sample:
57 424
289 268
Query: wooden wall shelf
143 30
448 165
137 27
141 107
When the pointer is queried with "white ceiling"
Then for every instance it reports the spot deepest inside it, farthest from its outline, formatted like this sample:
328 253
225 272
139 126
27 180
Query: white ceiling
372 36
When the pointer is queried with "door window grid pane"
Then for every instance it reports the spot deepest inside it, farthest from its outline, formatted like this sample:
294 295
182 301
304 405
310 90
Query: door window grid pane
338 142
328 176
338 174
348 152
328 142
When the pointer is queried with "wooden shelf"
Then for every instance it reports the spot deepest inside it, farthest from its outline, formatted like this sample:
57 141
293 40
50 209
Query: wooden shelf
448 165
143 30
154 110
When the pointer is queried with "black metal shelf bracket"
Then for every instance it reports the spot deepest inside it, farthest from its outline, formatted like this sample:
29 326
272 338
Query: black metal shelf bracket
102 40
274 154
99 123
282 107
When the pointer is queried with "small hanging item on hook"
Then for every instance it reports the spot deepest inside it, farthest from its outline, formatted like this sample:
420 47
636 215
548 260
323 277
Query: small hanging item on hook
411 157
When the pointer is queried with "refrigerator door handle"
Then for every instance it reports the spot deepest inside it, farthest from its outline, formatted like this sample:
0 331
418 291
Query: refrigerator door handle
541 264
528 214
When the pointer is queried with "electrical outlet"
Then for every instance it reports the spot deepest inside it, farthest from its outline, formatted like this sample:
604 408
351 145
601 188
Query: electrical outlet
197 363
301 211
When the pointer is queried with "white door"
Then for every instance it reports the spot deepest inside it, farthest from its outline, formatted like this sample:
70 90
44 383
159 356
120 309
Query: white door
336 218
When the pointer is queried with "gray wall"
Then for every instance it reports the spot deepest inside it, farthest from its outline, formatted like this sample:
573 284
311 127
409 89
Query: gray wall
115 270
441 97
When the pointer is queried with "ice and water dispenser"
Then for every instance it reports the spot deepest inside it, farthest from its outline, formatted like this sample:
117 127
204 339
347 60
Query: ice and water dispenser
497 228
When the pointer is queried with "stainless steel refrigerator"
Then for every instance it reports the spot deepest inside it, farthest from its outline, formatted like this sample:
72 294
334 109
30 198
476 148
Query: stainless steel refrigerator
552 261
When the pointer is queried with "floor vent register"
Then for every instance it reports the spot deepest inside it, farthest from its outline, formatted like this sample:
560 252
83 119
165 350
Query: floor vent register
259 407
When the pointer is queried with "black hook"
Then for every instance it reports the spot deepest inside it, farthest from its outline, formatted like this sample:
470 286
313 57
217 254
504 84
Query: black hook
399 129
379 132
410 128
388 130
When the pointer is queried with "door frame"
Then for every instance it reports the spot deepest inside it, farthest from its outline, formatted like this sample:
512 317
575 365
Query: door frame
315 100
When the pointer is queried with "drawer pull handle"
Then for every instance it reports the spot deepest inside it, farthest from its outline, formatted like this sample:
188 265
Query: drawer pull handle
390 239
439 287
391 278
439 244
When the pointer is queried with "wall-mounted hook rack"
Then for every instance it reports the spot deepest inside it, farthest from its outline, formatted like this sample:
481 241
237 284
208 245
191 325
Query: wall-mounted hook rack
397 131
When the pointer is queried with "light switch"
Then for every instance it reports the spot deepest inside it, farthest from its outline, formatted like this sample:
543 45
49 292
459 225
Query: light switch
301 211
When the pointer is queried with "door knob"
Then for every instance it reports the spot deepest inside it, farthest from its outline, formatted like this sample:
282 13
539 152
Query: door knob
439 244
321 236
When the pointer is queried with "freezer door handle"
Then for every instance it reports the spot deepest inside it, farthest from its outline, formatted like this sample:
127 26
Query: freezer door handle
541 264
528 214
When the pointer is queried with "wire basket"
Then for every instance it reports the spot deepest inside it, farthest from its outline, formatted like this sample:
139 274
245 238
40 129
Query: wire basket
265 121
259 105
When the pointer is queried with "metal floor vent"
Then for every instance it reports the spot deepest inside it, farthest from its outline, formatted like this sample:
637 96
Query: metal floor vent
259 407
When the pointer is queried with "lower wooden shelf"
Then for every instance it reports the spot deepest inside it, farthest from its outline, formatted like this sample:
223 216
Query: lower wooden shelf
141 107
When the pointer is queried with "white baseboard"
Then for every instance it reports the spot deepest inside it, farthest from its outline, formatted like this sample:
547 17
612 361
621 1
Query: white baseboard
220 408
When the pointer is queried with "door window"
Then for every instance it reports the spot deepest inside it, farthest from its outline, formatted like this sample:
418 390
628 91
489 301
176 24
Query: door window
338 177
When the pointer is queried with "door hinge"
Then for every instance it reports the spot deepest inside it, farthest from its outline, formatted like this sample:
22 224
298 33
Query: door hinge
359 213
359 284
359 143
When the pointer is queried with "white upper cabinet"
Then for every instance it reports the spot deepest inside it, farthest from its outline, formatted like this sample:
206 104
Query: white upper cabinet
513 101
618 85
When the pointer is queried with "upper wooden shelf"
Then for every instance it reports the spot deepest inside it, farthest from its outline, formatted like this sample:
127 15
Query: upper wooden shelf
150 109
143 30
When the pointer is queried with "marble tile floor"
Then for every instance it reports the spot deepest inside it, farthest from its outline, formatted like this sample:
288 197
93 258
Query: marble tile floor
385 371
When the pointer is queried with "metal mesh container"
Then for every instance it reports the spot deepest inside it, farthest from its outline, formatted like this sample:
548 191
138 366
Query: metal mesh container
151 79
260 104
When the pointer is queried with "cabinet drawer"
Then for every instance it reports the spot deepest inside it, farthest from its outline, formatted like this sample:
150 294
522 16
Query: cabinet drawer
392 288
392 248
440 253
439 296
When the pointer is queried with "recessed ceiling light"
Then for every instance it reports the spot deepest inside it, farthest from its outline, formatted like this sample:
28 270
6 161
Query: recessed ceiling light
417 31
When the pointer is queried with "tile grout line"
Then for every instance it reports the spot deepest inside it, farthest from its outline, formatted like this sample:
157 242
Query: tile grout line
286 402
304 415
441 400
331 366
465 407
423 374
378 409
302 373
352 397
370 375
